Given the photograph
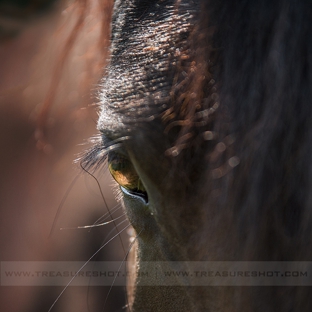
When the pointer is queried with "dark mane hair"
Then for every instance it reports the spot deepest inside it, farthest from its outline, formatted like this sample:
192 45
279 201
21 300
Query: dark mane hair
247 102
265 85
250 82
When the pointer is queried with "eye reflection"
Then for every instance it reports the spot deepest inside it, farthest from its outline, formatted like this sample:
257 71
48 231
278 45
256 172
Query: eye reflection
124 173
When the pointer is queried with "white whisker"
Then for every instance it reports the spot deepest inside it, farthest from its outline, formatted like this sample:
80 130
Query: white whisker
76 274
106 215
123 261
100 224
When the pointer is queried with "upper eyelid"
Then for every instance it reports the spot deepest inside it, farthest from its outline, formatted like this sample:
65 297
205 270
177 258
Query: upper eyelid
97 154
109 144
107 141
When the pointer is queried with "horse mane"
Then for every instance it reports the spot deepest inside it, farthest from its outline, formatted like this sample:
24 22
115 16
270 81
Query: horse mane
246 98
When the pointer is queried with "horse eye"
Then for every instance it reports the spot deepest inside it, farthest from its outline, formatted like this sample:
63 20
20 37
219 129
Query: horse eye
125 175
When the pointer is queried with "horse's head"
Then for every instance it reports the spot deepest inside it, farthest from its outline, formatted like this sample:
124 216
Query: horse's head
206 122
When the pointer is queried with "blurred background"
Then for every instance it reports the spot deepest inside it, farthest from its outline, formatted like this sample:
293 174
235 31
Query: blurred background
52 55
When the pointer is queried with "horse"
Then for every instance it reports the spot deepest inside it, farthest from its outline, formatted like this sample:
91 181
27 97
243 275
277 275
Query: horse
205 125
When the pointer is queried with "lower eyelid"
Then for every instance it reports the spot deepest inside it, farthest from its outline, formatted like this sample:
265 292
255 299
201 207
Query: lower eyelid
134 196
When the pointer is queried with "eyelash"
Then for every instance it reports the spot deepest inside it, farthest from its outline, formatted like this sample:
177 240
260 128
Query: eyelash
93 158
99 155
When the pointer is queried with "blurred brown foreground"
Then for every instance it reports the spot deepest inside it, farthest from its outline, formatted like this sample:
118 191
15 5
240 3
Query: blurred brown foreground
36 167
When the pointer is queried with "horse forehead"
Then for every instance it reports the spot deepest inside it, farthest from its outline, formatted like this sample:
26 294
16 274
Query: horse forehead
146 42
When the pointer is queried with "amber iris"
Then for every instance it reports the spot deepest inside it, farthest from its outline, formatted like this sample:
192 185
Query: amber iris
124 173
